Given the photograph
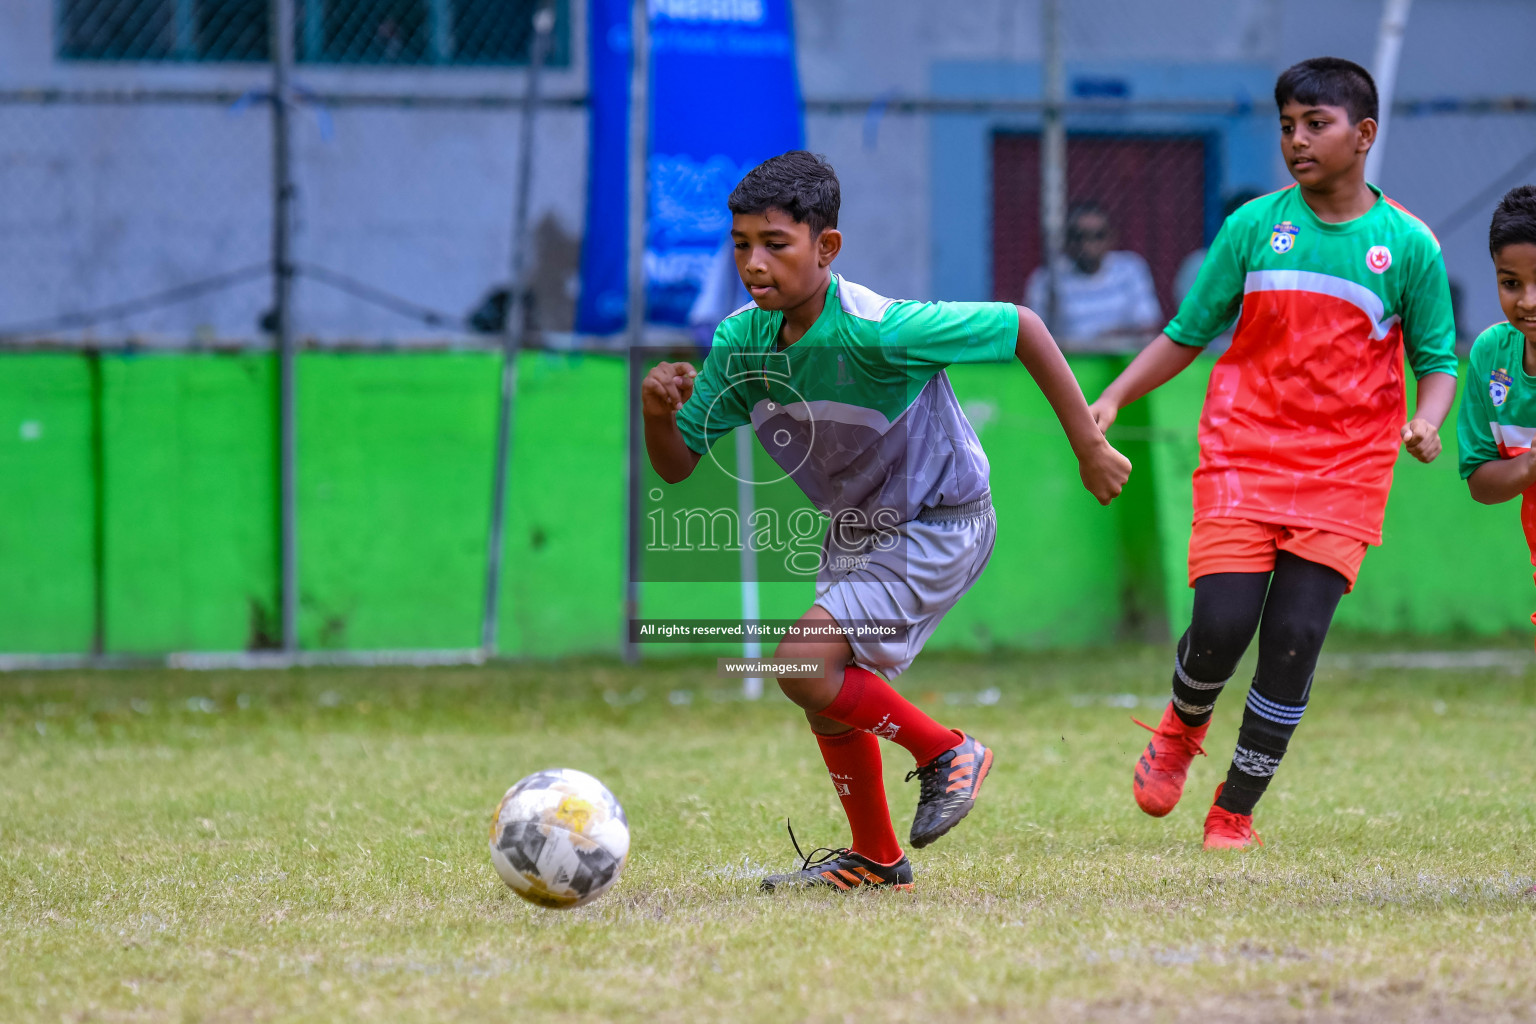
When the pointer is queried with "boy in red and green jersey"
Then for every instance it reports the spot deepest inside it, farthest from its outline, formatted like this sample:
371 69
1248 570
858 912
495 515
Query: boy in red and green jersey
1497 422
1328 282
1302 415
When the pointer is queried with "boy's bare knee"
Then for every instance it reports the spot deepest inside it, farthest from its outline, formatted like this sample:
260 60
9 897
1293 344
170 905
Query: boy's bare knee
809 694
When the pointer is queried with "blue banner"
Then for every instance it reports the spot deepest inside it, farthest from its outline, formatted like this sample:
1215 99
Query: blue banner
724 97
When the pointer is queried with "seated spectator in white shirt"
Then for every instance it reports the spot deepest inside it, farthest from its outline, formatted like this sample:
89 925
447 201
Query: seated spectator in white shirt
1098 291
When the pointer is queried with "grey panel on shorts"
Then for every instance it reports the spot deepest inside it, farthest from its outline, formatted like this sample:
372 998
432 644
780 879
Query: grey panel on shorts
916 580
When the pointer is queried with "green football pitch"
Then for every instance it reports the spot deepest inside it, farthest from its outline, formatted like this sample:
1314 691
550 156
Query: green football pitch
312 846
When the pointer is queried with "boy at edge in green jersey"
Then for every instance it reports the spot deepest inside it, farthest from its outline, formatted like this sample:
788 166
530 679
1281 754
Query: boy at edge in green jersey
1497 420
846 391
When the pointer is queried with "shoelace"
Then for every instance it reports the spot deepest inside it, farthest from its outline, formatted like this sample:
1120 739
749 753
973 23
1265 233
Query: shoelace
1189 743
805 858
930 780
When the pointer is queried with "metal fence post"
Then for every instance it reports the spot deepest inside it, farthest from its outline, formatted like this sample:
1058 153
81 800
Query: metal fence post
1389 46
751 605
1053 158
639 144
282 27
513 329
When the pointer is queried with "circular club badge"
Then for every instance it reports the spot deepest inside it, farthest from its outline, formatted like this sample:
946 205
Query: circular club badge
1378 258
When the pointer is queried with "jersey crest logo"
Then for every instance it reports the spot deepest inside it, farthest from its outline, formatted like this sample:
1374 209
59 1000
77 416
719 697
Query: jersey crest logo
1498 387
1283 237
1378 258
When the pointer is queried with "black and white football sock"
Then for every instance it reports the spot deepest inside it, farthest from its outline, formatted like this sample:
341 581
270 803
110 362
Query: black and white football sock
1297 614
1261 742
1193 699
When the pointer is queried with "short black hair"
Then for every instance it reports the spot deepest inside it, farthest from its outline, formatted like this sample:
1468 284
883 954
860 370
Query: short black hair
1087 208
1329 82
801 184
1514 219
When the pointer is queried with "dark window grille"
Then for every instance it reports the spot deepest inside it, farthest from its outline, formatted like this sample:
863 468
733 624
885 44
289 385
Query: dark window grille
369 32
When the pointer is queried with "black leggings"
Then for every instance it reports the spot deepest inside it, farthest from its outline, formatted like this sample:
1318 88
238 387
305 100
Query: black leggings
1292 610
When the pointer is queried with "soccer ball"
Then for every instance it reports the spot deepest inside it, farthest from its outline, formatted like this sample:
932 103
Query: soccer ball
560 839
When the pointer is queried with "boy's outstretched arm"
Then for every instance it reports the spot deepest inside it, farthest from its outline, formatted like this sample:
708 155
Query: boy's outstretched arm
662 394
1422 433
1153 367
1104 470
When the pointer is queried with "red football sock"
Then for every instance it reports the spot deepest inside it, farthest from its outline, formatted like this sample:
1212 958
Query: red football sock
867 702
853 759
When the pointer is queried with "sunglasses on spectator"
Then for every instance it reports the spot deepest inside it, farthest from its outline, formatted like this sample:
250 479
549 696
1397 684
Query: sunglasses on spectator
1088 236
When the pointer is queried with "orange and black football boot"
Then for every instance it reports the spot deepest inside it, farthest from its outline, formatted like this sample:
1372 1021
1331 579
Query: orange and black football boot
1158 780
948 787
842 870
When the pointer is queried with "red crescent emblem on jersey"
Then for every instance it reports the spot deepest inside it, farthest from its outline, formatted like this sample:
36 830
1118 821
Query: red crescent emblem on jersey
1378 258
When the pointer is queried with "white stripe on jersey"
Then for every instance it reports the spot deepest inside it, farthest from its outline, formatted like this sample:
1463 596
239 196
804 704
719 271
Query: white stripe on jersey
1510 436
1357 295
860 301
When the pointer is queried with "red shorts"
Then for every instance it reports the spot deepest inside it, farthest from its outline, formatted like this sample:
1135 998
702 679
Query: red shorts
1245 545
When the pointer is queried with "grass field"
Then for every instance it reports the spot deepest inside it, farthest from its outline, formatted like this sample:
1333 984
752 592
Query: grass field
312 846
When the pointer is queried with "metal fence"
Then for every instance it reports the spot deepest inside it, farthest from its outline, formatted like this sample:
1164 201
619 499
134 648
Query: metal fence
357 32
219 190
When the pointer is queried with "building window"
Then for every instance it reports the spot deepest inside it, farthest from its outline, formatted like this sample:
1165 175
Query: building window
372 32
163 29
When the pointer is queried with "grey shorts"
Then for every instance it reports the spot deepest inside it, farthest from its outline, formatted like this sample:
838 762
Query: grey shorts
915 580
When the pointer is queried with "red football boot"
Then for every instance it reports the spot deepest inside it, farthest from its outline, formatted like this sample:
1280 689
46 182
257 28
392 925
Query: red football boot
1225 830
1163 766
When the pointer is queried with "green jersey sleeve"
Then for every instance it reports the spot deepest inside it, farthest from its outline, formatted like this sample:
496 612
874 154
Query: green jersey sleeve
1474 430
715 408
1429 325
928 336
1215 300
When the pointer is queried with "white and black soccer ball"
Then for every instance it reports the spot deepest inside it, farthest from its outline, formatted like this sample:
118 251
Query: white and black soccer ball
560 839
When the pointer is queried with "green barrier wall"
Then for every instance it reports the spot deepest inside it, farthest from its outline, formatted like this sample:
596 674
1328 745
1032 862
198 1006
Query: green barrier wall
189 482
394 492
48 510
141 500
563 589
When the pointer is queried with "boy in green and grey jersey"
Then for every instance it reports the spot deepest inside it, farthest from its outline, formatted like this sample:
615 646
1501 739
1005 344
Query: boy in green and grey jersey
1497 420
858 412
846 391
